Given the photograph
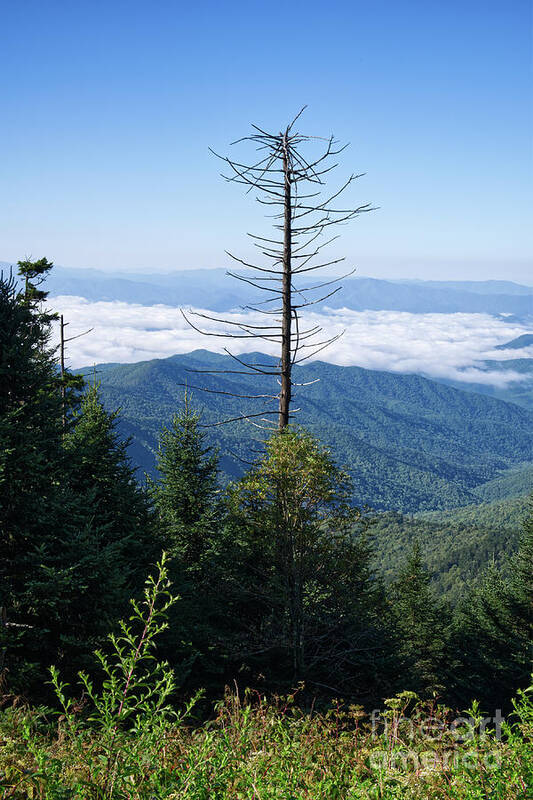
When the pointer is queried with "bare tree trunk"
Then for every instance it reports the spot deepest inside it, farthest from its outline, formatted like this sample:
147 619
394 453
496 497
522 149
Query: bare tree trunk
62 365
64 374
297 627
285 394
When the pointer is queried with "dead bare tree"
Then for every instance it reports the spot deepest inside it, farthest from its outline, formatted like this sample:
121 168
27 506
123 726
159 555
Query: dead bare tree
67 379
293 185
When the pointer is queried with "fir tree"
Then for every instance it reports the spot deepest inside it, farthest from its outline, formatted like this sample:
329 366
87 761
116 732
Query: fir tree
190 520
102 477
494 628
63 562
421 627
32 510
186 497
521 589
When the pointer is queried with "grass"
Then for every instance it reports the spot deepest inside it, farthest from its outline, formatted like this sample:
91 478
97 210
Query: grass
272 750
125 741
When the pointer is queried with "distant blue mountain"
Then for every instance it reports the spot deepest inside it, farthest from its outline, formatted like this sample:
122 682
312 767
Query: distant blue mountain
526 340
478 287
213 289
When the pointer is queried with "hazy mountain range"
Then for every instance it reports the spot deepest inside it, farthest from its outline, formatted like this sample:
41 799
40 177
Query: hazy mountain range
215 290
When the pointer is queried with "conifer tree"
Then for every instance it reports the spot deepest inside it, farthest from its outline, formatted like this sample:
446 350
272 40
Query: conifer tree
186 496
31 459
420 624
494 628
101 472
62 541
521 590
190 521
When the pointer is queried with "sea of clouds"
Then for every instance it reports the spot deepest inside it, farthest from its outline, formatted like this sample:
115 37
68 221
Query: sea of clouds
452 346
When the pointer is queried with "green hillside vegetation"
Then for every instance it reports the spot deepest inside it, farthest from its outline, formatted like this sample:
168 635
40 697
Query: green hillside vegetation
515 482
410 444
456 545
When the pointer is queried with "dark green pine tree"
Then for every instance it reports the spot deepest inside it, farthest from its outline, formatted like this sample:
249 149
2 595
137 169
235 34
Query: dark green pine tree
31 466
421 627
495 628
521 595
117 510
187 503
186 497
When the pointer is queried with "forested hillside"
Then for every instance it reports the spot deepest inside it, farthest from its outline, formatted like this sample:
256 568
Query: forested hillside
409 443
266 437
455 545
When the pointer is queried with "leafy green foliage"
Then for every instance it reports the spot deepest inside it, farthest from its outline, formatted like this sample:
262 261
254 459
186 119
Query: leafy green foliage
256 748
306 594
514 482
130 715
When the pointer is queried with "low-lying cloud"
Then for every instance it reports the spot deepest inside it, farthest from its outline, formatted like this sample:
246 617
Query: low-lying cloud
452 346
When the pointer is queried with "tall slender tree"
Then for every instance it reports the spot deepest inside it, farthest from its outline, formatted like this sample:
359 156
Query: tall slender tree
100 471
187 495
291 181
70 515
494 628
187 504
35 506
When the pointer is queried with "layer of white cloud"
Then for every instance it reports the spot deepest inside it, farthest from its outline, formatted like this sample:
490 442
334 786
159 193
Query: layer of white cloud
452 346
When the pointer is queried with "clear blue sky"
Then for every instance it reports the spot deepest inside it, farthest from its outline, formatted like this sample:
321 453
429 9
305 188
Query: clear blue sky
108 109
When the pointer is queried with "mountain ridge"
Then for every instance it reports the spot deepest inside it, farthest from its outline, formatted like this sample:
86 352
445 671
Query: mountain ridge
188 287
411 444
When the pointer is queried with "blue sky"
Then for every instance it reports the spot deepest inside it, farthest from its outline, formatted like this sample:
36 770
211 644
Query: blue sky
108 109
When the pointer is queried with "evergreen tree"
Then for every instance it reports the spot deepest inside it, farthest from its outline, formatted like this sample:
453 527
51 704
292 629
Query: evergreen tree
186 497
190 519
421 627
64 563
521 593
102 477
31 460
494 629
